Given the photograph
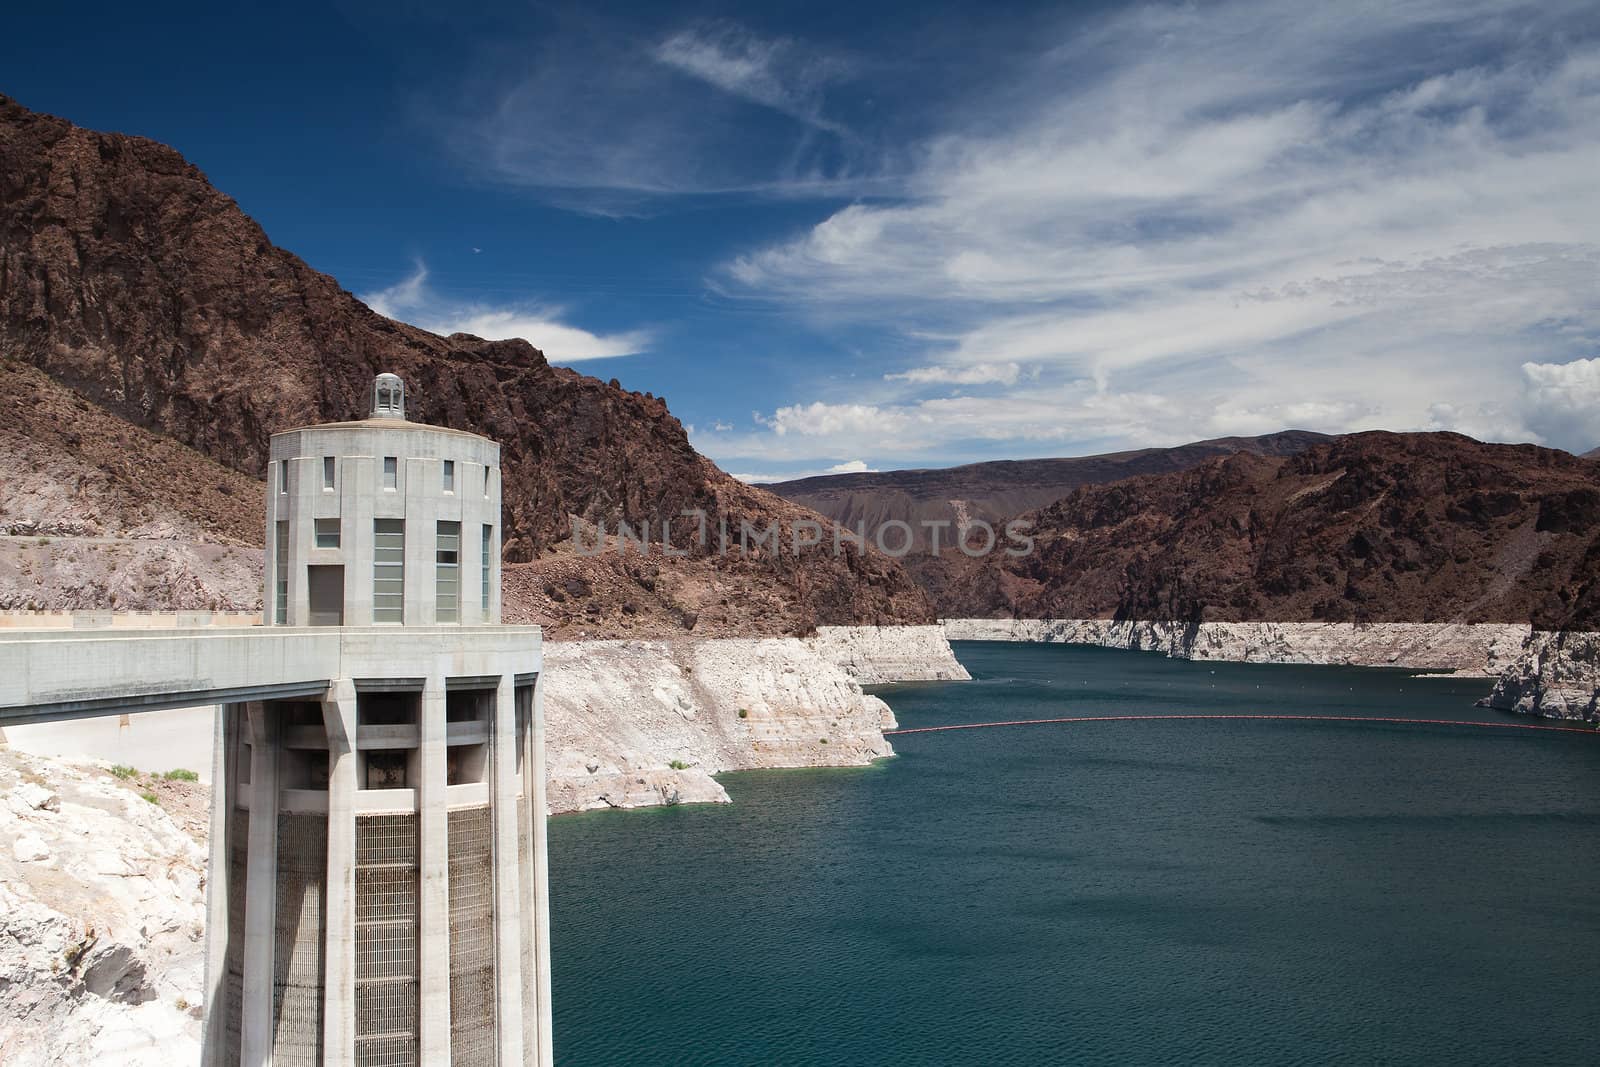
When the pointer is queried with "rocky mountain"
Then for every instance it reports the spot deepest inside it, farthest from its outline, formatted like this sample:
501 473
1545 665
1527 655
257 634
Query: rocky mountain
128 279
1422 527
1000 490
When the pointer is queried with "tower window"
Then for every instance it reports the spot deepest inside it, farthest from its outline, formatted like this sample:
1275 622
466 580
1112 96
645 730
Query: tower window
283 476
391 472
488 566
486 476
327 533
388 570
327 472
448 577
449 475
280 573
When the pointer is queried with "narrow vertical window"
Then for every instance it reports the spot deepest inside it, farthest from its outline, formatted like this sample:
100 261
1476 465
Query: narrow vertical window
447 586
283 476
388 570
280 573
449 475
327 472
487 475
488 567
391 472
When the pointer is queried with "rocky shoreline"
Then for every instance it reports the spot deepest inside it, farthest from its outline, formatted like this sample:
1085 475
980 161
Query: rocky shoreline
1479 649
1550 674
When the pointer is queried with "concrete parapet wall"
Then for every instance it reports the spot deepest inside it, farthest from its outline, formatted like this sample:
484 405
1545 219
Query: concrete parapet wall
55 673
125 620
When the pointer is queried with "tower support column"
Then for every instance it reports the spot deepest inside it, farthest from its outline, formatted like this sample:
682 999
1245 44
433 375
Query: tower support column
504 826
537 999
339 968
261 893
433 824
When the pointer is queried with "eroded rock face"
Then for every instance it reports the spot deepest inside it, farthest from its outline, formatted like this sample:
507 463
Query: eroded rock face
129 279
637 723
1557 676
876 655
102 951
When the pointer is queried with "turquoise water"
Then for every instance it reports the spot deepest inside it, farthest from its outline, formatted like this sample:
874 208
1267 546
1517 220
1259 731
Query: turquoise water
1123 892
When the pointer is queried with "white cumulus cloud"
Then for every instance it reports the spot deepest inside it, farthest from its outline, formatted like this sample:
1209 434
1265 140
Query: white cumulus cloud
413 300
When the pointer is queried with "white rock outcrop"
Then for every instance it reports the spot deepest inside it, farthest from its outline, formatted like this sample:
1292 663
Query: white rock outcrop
1557 676
1478 649
876 655
102 902
634 723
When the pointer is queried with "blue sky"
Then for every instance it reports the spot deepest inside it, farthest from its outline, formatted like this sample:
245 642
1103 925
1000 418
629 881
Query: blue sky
873 236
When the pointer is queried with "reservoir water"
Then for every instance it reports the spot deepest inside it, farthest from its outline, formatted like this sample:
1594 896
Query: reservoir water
1116 892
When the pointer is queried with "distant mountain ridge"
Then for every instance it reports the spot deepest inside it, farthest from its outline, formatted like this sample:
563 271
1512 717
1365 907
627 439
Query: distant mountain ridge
1417 527
998 490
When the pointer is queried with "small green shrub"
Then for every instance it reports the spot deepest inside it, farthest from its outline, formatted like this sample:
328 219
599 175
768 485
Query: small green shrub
181 774
824 740
744 713
678 765
123 771
152 798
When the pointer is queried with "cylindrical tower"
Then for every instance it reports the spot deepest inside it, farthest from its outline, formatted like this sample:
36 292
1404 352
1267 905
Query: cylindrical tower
382 522
378 895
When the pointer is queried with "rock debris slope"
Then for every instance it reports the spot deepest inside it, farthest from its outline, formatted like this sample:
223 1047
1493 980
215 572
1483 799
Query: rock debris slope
101 921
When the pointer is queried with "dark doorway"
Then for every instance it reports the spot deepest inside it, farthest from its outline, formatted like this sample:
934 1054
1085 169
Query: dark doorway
327 595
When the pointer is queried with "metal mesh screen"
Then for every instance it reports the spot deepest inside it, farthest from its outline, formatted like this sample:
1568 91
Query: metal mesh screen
233 957
530 1014
472 984
387 987
298 957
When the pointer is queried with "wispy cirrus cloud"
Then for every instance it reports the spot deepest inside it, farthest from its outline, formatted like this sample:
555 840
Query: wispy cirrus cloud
670 117
1191 221
778 73
413 300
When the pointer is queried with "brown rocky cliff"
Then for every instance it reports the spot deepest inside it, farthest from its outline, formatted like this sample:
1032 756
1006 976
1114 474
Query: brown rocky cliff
126 276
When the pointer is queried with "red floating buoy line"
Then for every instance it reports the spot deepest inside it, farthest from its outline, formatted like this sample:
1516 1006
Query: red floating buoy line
1394 720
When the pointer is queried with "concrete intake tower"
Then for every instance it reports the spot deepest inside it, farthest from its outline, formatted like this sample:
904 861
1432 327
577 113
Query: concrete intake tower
377 890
